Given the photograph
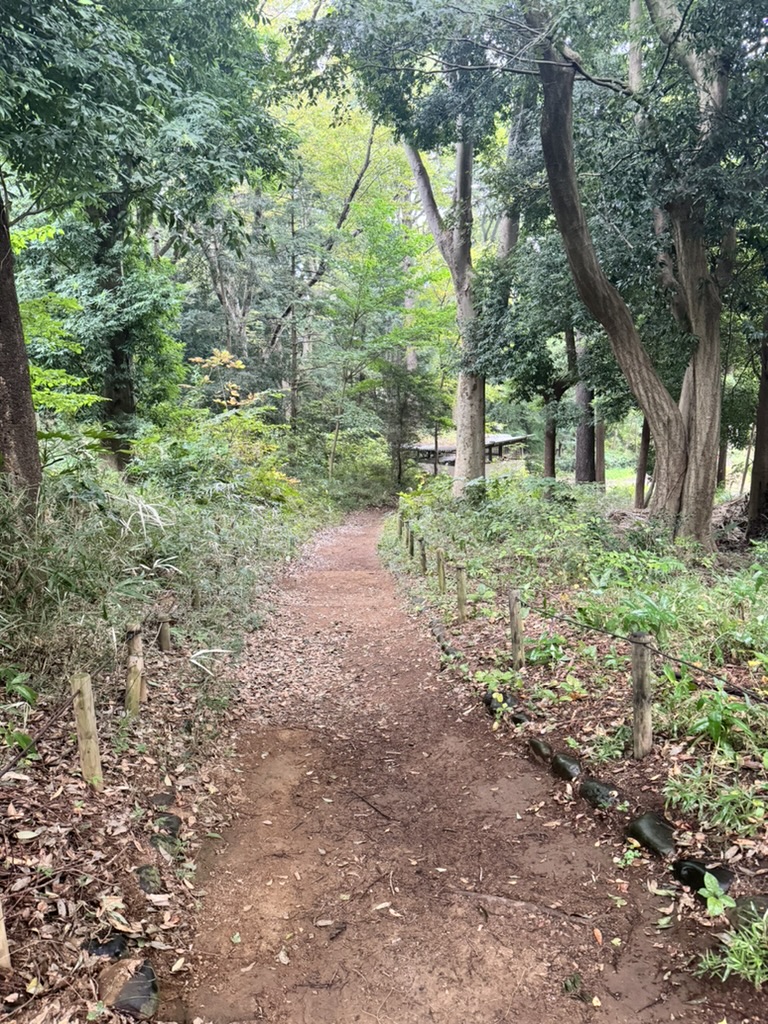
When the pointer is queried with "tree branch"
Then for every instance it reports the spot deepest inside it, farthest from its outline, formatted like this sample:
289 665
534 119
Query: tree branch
435 220
330 241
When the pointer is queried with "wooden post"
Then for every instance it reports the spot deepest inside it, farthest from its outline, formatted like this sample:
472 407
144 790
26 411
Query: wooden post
164 636
197 602
517 642
423 556
400 525
642 696
461 592
5 953
411 541
440 570
87 735
135 684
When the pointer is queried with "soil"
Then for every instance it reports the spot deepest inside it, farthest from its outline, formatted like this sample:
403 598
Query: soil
394 860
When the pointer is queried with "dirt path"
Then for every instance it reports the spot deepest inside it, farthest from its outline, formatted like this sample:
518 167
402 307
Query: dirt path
394 860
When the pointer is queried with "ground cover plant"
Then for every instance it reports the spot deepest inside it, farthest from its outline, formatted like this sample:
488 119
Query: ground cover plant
588 580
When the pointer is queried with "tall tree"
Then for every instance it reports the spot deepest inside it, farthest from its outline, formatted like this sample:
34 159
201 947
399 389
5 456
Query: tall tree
696 267
433 108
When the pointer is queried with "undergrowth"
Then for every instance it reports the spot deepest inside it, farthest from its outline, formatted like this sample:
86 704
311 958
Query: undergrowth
195 527
555 541
576 563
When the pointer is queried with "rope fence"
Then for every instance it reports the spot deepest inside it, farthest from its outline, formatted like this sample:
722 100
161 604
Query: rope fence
641 644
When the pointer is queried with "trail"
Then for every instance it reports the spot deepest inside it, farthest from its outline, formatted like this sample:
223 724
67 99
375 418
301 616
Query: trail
394 860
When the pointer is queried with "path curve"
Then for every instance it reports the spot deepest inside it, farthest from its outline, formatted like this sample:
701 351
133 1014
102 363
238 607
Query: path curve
395 861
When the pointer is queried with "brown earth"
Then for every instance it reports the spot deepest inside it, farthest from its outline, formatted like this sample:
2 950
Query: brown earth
393 860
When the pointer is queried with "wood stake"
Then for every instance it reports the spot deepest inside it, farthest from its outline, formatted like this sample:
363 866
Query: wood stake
423 555
642 695
411 541
5 953
135 684
461 592
164 636
87 734
517 642
441 570
400 525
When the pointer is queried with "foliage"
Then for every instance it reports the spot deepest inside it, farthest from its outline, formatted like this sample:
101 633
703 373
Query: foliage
712 893
745 954
19 698
99 552
717 798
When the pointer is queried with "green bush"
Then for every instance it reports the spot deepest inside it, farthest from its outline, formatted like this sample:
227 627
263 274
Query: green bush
201 527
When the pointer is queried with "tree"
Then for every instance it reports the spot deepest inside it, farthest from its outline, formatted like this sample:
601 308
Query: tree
126 111
19 454
695 269
697 124
429 111
757 513
56 136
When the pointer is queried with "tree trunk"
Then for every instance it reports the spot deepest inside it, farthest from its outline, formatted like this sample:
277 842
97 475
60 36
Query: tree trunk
600 453
293 412
700 398
118 386
550 441
455 245
757 515
337 428
685 451
19 452
642 465
470 431
722 464
585 431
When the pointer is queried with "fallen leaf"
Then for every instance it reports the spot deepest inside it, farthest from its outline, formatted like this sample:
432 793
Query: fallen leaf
598 936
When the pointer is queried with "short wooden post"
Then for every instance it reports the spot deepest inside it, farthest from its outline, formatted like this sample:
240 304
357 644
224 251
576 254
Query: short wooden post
423 556
135 685
461 592
87 734
5 953
440 554
642 695
164 636
197 601
411 541
516 640
400 525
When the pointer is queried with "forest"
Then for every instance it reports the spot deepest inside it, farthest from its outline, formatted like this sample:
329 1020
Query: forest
255 259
